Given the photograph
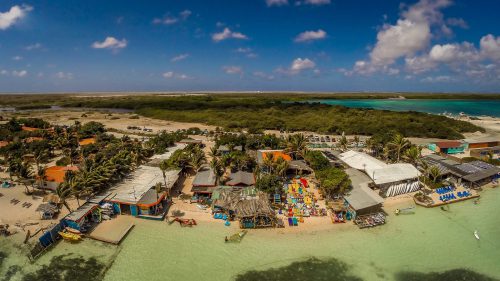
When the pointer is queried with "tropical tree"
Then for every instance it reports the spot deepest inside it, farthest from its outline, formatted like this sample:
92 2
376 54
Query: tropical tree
434 173
25 175
269 162
343 142
63 191
217 167
164 167
296 145
281 167
158 189
41 174
397 146
356 140
413 154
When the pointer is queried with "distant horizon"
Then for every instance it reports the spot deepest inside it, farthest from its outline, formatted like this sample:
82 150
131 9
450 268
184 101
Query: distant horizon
443 46
245 92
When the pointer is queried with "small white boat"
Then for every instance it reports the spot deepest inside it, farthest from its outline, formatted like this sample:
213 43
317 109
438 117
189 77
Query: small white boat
476 234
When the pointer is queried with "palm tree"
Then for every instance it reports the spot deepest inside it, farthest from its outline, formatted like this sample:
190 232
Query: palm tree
296 145
412 154
434 173
269 162
26 175
14 166
218 167
398 145
164 166
281 167
41 173
343 142
356 140
63 191
196 159
158 189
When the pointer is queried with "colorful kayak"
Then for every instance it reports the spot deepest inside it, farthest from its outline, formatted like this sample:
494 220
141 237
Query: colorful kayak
70 236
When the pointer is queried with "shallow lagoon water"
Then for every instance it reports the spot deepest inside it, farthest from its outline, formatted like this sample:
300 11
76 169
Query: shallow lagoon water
429 241
434 106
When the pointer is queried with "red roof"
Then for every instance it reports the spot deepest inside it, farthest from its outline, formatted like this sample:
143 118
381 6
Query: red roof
57 173
4 143
448 144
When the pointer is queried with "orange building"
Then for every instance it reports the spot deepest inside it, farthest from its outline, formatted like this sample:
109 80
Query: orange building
87 141
55 175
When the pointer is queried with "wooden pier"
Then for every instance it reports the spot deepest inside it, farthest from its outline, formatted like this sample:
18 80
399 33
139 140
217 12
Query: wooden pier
113 231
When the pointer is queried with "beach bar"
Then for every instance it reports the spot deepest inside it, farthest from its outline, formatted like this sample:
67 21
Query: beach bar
137 196
391 179
204 182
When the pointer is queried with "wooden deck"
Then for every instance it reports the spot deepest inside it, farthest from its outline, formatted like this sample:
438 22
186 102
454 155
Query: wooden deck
113 231
437 202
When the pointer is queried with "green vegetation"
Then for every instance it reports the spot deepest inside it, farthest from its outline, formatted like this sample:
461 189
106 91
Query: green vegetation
269 183
256 112
332 180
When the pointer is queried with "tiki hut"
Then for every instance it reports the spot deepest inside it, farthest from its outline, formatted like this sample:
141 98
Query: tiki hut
251 211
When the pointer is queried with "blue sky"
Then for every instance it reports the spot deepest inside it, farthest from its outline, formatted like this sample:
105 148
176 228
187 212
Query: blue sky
288 45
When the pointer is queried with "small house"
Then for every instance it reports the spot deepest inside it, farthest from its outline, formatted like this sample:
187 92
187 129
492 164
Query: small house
241 179
204 182
448 147
137 196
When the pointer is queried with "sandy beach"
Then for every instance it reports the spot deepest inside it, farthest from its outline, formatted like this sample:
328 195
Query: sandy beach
19 215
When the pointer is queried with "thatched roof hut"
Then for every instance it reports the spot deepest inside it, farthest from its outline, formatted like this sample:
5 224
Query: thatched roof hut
244 206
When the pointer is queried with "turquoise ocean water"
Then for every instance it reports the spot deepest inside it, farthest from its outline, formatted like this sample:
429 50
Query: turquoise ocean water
469 107
429 245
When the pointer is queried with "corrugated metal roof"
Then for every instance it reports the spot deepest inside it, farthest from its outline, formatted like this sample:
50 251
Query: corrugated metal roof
205 177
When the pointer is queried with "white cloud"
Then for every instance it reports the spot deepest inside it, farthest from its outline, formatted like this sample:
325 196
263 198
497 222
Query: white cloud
14 15
243 50
169 20
438 79
457 22
179 57
490 47
33 47
227 34
317 2
310 35
171 74
410 35
20 73
231 69
247 51
449 53
276 2
17 58
64 75
110 43
460 58
4 72
185 14
300 64
263 75
168 74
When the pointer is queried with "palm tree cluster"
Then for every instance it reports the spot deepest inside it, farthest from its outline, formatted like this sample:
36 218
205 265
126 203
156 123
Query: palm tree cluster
114 160
162 141
394 147
189 159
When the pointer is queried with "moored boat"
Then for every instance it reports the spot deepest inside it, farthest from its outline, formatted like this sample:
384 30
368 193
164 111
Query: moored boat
70 236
